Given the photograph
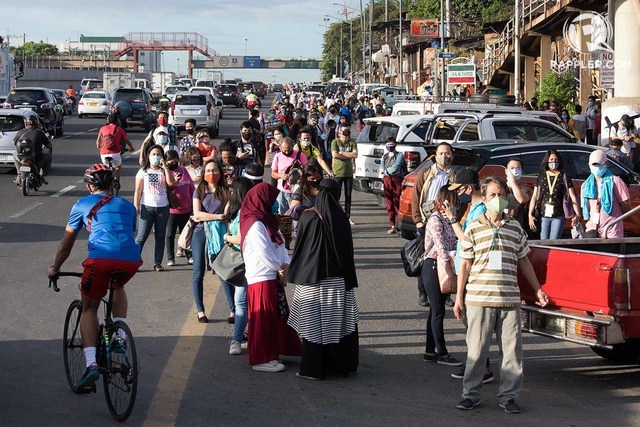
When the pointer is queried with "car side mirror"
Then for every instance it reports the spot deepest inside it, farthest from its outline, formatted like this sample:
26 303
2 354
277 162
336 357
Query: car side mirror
219 103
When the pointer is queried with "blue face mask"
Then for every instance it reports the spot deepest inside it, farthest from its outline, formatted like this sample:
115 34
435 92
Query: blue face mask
598 170
517 173
390 148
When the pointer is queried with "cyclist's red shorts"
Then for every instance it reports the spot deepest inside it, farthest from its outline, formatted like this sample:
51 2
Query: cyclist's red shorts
96 275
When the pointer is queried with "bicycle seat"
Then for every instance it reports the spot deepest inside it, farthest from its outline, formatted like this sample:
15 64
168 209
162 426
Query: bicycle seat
117 274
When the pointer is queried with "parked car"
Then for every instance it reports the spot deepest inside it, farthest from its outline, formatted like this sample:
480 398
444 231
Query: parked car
171 90
63 99
230 94
391 94
43 102
198 106
11 122
490 158
135 107
260 89
95 102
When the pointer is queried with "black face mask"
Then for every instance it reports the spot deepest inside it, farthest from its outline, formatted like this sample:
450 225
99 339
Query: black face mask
191 131
464 198
346 133
332 111
314 184
246 135
172 166
288 154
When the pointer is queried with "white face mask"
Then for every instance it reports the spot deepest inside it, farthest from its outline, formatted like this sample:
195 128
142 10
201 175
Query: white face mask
162 139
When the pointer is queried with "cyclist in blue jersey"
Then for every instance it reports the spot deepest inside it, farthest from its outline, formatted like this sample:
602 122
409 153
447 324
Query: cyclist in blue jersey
111 222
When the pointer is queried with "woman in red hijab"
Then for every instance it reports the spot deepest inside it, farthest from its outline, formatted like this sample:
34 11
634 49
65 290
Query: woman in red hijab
266 263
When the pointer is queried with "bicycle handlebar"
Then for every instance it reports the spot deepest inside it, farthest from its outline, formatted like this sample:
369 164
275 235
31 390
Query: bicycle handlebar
53 281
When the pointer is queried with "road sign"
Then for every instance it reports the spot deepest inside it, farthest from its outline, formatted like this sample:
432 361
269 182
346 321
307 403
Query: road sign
446 55
461 74
227 61
606 66
251 62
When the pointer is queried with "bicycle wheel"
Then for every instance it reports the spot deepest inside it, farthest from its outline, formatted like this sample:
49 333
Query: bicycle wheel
74 364
121 375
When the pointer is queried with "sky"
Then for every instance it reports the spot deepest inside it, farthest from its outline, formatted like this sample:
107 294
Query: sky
274 28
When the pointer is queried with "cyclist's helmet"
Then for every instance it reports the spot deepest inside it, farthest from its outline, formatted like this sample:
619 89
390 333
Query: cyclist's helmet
99 176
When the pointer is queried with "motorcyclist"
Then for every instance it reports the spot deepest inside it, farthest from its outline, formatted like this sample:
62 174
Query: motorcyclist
39 139
252 100
72 95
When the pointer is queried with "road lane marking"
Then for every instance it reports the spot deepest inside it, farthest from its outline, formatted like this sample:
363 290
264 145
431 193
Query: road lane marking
64 190
165 405
91 130
25 210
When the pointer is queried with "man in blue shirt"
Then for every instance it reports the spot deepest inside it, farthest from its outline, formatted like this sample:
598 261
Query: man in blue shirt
111 222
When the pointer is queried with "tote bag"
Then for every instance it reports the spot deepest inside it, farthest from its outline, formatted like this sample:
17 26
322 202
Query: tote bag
229 265
447 275
184 241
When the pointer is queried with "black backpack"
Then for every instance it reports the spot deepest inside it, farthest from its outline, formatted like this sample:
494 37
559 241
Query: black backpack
25 147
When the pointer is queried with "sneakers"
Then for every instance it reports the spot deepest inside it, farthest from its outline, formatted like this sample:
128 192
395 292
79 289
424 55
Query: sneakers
467 404
244 345
510 407
423 301
158 267
392 230
488 378
171 263
235 348
429 357
307 377
180 253
351 222
448 360
90 376
273 366
190 261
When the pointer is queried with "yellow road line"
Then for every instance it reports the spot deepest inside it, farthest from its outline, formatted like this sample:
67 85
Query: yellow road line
165 404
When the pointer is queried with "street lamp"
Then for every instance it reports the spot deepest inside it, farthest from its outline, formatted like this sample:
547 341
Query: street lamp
245 47
341 45
346 14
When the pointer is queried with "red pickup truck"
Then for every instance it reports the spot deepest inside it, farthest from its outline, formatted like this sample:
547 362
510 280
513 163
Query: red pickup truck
592 296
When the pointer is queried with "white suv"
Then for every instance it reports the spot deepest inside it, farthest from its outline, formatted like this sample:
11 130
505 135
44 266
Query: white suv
198 106
214 94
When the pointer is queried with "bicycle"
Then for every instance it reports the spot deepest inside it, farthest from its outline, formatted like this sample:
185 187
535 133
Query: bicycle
108 161
115 354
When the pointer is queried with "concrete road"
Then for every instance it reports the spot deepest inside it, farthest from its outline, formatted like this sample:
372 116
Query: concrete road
187 376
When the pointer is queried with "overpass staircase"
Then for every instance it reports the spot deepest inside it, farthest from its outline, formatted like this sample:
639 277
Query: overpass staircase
537 18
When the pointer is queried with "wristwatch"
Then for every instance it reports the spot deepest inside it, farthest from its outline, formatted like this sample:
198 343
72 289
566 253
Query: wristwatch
453 220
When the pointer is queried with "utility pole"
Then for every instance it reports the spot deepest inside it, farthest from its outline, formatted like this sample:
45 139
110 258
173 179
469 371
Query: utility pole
444 82
400 58
386 34
341 56
371 5
362 32
516 53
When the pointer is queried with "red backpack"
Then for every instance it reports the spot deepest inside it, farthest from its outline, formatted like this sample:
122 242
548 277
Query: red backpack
108 140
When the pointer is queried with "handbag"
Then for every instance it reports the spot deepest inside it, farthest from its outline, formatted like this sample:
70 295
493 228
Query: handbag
413 253
447 275
184 241
174 202
229 265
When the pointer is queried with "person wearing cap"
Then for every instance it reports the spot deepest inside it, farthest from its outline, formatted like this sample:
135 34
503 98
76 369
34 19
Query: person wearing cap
627 132
39 140
170 130
467 185
312 153
615 152
159 136
394 169
605 197
207 150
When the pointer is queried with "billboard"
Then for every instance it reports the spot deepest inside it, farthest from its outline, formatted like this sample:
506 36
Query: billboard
461 74
427 28
227 62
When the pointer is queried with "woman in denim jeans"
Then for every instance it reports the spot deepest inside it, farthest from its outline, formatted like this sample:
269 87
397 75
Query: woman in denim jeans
549 193
209 201
239 189
151 202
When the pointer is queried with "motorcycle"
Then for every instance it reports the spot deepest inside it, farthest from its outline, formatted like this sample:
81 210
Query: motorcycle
29 176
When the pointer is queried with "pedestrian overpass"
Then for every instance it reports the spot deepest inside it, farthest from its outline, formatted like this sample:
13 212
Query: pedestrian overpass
196 43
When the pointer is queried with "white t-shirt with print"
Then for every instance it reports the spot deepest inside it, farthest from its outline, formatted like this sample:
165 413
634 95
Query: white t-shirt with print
154 189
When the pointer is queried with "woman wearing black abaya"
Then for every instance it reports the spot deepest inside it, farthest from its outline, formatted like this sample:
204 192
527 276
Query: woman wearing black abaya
324 310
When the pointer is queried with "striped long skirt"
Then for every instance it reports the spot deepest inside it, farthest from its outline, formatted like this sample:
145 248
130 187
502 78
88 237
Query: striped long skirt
326 317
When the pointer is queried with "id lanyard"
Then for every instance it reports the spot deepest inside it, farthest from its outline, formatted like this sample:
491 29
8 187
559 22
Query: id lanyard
495 252
552 186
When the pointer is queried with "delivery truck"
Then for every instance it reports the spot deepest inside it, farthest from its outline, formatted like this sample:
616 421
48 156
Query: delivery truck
117 80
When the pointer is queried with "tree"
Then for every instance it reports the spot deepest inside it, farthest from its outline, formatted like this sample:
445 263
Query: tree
35 49
558 87
472 12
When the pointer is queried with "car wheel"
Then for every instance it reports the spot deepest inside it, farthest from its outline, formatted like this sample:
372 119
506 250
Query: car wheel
80 116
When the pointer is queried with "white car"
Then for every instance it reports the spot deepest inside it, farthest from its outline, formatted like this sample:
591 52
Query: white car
198 106
94 103
171 90
214 93
12 121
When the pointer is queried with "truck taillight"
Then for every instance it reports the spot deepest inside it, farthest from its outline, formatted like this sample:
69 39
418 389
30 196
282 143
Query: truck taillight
621 289
412 158
173 108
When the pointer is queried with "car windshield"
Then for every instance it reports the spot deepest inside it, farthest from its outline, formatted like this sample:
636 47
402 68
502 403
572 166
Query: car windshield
94 95
11 123
378 133
245 86
26 97
227 87
94 85
191 100
175 89
131 96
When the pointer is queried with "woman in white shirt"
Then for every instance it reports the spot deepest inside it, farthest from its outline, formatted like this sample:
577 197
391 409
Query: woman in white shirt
266 263
152 203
